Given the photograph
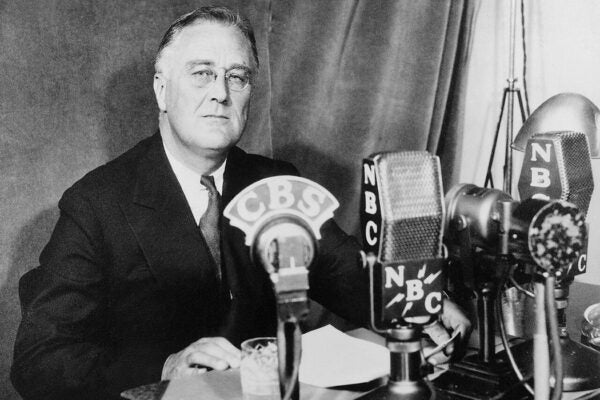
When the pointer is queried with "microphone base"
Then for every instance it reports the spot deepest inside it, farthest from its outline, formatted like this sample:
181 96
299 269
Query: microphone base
472 379
406 380
581 364
415 390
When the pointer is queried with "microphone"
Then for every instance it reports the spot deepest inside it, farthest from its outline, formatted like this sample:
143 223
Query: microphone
557 165
492 233
281 217
546 233
402 217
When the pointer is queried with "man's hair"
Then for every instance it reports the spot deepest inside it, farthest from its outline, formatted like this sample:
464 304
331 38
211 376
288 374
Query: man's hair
222 15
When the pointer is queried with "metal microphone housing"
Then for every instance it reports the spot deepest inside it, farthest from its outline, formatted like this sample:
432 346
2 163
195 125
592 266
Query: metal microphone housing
547 233
285 247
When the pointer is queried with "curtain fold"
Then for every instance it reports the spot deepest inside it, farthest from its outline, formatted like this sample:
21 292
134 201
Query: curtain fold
349 78
449 146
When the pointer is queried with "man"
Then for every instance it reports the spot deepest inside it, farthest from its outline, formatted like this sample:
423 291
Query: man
130 289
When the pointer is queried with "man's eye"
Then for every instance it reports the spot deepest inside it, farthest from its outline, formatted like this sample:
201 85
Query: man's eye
238 77
203 74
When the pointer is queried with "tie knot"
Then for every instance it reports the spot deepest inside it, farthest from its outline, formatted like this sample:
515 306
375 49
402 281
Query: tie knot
209 183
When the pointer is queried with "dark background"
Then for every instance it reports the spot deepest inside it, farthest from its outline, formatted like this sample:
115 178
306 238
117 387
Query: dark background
339 80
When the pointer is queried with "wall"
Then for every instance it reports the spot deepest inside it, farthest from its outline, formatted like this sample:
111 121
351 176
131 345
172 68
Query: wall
563 55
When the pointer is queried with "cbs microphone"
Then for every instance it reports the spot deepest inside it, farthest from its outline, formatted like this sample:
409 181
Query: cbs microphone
402 217
281 217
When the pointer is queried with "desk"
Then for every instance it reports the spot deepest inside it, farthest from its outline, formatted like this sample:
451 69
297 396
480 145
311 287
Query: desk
226 385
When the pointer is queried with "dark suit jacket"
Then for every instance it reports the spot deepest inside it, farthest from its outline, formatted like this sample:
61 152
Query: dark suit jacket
126 280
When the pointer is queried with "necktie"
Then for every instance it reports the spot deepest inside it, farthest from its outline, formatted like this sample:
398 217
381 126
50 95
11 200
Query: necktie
209 222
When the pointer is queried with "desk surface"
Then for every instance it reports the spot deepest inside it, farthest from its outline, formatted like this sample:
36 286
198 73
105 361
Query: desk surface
221 385
226 385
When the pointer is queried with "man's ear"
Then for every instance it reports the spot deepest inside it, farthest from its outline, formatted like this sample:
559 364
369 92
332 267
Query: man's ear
160 86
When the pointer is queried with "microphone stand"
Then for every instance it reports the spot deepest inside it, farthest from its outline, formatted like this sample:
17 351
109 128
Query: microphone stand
408 367
580 362
281 240
291 285
486 374
508 100
406 380
289 342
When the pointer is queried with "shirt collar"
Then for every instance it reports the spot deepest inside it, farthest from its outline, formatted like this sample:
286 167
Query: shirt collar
188 177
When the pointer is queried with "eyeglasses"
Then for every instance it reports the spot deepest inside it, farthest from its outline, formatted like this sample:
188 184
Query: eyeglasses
237 79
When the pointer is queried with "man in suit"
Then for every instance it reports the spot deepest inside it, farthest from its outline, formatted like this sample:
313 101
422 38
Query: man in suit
130 289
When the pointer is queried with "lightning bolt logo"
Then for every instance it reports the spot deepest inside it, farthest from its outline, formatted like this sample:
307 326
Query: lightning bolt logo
397 299
421 273
432 277
407 308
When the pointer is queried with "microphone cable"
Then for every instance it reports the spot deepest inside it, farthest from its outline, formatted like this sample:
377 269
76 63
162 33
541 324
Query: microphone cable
503 335
290 382
525 93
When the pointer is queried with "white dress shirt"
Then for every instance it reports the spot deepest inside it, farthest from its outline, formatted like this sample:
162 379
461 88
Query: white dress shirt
189 180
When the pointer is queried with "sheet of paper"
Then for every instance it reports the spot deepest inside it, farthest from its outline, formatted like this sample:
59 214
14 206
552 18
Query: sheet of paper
332 358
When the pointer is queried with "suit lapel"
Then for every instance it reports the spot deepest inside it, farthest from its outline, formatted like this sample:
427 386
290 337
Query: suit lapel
164 225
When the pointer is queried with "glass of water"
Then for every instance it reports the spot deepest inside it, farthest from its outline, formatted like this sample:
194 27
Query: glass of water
259 369
590 326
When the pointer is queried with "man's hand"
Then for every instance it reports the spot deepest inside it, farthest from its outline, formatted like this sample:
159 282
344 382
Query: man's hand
453 319
211 352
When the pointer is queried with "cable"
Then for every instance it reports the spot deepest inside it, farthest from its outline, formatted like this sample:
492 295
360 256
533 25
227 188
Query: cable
502 395
291 381
524 58
588 395
503 336
554 336
441 347
519 287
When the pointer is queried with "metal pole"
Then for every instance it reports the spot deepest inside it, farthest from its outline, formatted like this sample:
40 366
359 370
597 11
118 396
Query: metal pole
508 159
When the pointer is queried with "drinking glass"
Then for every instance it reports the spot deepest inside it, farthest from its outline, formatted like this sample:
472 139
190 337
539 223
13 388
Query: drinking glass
590 326
259 369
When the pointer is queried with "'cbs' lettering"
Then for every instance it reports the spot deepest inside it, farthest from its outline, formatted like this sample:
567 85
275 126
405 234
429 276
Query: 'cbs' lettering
281 196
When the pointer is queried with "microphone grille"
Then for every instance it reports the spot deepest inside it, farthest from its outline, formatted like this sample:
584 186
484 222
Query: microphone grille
574 166
412 206
577 168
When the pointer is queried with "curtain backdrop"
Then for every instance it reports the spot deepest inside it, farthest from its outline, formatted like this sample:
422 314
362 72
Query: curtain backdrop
349 78
339 80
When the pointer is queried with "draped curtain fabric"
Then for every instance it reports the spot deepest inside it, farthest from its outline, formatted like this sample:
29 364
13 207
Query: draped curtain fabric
349 78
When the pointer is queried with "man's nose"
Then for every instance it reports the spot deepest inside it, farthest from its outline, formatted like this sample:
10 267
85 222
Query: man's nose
218 90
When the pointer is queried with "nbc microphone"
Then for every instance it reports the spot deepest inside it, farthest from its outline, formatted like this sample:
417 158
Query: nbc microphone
557 166
402 216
